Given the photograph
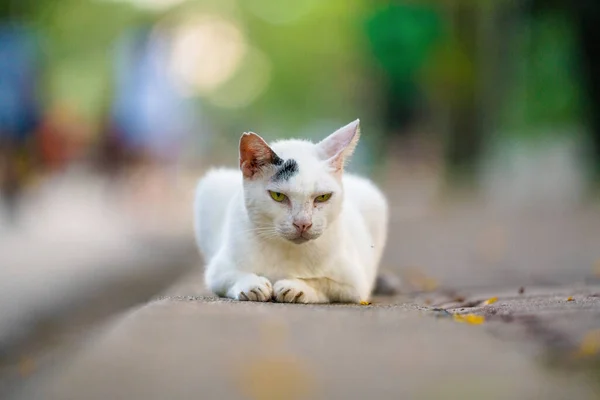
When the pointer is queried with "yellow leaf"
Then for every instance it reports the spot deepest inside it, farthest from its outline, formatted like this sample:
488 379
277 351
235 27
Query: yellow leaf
280 376
590 345
490 301
570 298
365 303
470 318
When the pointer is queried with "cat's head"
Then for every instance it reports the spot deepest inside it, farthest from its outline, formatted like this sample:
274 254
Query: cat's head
293 189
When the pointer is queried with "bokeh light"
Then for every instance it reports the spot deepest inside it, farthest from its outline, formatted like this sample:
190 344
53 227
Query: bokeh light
207 51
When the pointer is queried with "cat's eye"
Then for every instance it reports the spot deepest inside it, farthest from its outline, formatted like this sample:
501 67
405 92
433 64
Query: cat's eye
323 198
279 197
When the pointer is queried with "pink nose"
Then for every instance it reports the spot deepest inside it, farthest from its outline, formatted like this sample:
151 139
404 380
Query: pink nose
302 227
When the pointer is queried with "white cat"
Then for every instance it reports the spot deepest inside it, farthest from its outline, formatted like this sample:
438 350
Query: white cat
291 226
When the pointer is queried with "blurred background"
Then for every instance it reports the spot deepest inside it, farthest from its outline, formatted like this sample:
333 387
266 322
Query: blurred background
488 91
497 99
480 119
499 94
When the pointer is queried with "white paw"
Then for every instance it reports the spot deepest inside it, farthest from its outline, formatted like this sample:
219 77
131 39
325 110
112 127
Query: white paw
253 288
295 291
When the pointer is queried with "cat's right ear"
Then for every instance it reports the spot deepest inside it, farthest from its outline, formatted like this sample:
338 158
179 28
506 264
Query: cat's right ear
255 154
339 146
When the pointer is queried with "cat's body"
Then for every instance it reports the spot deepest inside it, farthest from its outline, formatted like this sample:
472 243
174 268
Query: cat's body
321 243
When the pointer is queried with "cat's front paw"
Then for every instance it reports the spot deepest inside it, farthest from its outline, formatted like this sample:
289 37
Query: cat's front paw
253 288
295 291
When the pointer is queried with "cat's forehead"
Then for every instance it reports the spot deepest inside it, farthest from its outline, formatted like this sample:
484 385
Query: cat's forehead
298 149
299 167
296 157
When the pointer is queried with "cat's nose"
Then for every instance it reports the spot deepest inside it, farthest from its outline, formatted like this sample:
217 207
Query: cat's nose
302 227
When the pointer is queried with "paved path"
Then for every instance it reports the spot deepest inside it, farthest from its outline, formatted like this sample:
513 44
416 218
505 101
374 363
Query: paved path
188 348
538 340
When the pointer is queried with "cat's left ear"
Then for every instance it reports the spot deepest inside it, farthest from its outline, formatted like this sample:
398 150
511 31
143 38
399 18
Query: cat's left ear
339 146
255 154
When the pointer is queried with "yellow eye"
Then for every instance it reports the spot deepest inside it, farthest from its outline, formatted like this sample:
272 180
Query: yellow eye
323 198
279 197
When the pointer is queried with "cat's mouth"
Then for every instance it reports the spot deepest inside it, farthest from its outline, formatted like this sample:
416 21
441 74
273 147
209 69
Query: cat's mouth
299 240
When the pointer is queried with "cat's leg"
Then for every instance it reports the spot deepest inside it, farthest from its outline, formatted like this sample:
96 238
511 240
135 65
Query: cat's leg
315 290
224 280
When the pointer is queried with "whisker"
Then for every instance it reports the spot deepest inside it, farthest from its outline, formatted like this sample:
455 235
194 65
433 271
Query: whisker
262 231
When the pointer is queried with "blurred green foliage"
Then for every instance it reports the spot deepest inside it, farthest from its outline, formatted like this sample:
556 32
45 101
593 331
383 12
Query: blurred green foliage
403 37
330 62
78 40
545 95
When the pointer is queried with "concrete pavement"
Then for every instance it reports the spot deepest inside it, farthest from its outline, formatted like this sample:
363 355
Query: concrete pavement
533 342
208 348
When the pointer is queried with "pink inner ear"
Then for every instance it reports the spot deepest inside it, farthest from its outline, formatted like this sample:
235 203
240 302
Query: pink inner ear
340 145
254 154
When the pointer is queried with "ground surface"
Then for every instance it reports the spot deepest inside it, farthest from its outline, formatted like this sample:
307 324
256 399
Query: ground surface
202 347
538 339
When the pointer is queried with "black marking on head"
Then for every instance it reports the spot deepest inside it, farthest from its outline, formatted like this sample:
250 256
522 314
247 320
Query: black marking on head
286 171
277 160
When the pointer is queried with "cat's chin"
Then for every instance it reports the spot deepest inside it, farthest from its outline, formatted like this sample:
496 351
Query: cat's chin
299 240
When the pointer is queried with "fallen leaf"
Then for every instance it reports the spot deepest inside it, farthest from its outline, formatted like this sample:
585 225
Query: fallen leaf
428 301
590 345
282 376
365 303
489 301
570 298
472 319
459 299
521 290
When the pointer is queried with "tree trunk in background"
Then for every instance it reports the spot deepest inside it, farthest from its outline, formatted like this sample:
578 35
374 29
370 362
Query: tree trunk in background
464 141
587 19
